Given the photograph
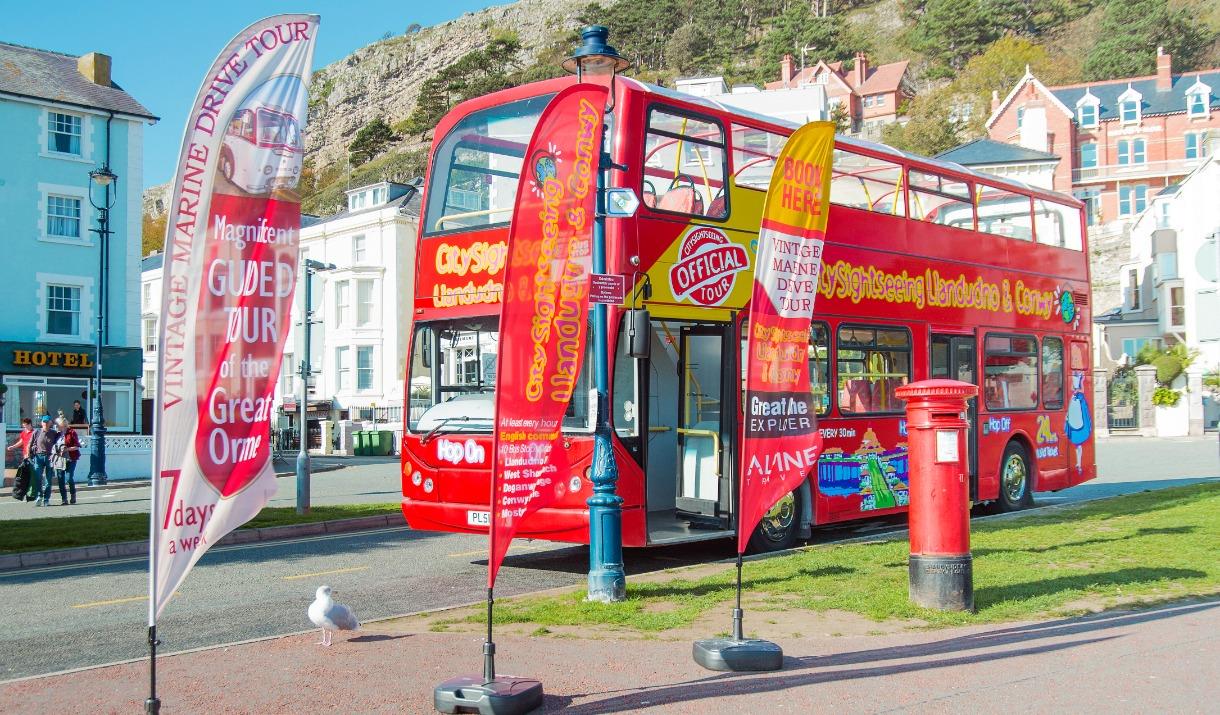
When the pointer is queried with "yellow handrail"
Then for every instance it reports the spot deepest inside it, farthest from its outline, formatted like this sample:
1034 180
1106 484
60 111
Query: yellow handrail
715 437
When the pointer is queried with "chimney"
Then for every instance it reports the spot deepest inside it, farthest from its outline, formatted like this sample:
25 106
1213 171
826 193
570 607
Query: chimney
861 69
995 100
95 67
1164 70
785 70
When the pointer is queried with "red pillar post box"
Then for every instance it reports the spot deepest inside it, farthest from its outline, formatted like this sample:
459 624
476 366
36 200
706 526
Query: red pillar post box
941 568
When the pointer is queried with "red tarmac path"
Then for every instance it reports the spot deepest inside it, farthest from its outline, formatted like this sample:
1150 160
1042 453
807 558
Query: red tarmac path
1165 659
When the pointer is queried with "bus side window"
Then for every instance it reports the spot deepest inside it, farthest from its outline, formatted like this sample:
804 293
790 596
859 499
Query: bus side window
1052 373
1003 213
864 182
685 165
754 153
872 363
1010 372
940 199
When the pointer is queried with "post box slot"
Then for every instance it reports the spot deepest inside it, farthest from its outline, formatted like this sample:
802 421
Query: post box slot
946 415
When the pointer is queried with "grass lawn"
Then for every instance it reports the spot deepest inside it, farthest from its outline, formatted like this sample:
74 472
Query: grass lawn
19 535
1138 549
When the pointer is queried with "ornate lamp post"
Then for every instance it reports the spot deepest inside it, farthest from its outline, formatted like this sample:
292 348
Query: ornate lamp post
607 581
103 178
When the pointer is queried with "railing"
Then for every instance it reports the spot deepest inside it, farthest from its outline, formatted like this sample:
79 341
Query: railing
380 413
1128 172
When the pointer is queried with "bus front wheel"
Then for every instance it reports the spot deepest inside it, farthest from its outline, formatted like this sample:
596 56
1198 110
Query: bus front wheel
1016 483
779 528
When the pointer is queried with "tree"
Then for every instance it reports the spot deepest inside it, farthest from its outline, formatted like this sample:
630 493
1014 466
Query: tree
370 141
930 127
687 48
950 32
841 117
153 233
473 74
999 69
1130 29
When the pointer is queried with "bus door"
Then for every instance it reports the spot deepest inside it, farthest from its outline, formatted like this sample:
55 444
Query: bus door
954 357
690 423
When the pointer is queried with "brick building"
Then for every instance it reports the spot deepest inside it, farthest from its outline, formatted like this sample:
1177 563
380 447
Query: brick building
1124 140
872 95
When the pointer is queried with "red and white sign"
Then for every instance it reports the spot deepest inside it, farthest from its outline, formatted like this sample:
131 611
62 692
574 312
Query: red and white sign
231 254
707 266
544 316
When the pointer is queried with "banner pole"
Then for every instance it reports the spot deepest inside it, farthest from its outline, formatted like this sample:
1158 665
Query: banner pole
152 706
737 612
489 646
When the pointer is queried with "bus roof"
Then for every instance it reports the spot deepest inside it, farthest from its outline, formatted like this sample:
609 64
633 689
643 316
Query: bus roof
873 147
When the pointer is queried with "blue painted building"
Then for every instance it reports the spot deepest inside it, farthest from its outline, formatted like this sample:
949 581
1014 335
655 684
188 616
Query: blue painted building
61 117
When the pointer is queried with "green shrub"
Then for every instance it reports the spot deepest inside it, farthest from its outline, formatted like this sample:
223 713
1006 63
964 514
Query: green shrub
1166 397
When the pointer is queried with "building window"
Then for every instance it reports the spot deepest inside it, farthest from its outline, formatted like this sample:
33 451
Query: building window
63 133
1020 116
1177 307
343 302
286 369
359 249
343 373
1052 373
357 201
1091 198
1010 372
1088 155
63 216
364 302
1133 289
1196 145
1086 114
1197 101
150 335
1133 346
1131 152
379 195
1129 111
150 384
364 367
63 310
1132 199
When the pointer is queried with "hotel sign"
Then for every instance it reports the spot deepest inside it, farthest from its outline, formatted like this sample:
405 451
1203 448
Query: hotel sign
49 358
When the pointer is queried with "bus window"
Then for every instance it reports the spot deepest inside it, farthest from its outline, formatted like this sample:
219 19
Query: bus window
685 165
940 199
863 182
872 362
1003 213
1010 372
754 152
453 378
1052 373
474 176
1057 225
819 366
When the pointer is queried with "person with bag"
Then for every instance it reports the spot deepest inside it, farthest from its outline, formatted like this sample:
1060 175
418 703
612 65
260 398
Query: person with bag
41 445
64 458
22 480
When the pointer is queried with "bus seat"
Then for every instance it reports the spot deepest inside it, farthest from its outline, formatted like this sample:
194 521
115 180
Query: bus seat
716 208
650 199
859 396
682 199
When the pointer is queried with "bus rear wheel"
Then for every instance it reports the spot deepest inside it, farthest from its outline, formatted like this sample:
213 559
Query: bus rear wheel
779 528
1016 483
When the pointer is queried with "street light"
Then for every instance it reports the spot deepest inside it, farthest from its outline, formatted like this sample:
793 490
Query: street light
607 581
310 266
102 177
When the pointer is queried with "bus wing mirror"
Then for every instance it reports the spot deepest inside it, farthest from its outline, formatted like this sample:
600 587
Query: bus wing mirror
639 333
425 348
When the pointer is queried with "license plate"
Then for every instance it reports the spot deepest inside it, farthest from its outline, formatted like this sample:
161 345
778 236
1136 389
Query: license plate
478 518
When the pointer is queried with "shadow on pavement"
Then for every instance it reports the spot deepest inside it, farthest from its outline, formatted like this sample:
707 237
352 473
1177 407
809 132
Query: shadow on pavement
798 671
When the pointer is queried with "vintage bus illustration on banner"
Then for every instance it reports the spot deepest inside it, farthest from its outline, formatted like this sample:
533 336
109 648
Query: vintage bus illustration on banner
929 270
262 146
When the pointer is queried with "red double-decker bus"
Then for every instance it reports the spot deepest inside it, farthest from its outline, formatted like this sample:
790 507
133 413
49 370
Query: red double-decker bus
930 270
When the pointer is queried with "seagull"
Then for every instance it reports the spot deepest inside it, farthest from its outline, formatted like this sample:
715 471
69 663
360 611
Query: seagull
331 616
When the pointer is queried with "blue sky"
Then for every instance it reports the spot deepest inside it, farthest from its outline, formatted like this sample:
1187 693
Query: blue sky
161 51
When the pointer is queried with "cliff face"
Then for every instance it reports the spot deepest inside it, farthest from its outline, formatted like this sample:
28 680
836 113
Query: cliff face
383 79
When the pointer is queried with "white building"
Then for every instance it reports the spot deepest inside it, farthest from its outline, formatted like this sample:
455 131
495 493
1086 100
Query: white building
150 313
800 105
362 310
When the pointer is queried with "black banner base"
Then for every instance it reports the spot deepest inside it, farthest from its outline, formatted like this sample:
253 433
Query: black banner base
945 583
739 656
506 695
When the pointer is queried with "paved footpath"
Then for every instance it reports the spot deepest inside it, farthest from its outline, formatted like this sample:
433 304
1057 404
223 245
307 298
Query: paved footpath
1165 659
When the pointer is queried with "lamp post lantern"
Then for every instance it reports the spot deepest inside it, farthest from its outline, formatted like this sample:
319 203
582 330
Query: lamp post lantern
103 178
607 581
309 267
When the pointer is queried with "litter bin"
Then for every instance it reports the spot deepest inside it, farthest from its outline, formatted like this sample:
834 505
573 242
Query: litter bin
360 443
382 443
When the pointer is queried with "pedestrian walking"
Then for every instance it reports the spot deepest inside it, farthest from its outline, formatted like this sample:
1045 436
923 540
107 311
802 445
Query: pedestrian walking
65 456
22 489
41 445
